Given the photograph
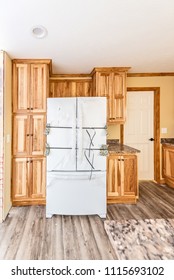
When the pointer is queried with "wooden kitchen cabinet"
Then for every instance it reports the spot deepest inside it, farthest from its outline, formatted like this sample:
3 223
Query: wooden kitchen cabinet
63 87
122 181
111 83
20 131
28 135
30 90
168 164
30 87
28 181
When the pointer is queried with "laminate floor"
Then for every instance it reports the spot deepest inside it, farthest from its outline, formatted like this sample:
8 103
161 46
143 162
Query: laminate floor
27 234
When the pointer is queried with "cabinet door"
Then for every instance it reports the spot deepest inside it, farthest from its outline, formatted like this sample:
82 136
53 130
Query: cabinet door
21 97
168 162
39 87
83 88
28 135
113 177
122 184
113 86
60 89
21 135
37 137
72 88
103 84
164 161
117 92
21 179
38 174
129 173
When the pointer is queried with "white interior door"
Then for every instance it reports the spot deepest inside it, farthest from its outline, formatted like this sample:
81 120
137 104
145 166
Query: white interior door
139 128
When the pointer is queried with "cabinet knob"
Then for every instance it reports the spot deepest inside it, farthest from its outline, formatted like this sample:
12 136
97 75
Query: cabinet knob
28 134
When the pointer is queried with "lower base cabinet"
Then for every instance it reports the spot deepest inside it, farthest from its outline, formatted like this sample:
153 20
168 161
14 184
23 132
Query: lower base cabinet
122 180
168 164
28 187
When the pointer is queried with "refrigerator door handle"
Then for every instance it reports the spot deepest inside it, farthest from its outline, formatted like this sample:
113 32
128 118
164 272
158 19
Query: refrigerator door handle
47 129
47 149
80 134
104 150
74 134
106 130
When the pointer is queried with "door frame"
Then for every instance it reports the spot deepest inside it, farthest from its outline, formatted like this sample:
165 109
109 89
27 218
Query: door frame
156 91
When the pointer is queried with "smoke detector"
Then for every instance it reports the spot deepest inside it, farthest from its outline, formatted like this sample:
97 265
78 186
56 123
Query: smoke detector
39 31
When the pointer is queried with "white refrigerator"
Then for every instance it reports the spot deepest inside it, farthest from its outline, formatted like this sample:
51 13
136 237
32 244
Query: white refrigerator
76 156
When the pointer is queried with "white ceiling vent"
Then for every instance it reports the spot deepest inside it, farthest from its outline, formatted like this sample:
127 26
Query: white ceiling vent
39 31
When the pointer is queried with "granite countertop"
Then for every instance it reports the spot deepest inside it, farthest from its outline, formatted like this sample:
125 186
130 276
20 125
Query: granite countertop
168 141
168 144
114 147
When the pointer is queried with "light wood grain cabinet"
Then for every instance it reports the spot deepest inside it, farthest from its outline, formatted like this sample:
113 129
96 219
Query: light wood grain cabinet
122 182
30 90
111 83
38 175
28 135
21 97
20 131
21 180
30 87
168 164
70 88
28 181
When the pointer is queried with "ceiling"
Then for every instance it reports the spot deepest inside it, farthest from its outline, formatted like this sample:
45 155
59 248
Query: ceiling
91 33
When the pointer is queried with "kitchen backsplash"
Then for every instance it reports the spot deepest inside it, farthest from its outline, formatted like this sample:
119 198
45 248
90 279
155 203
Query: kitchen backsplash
112 141
167 140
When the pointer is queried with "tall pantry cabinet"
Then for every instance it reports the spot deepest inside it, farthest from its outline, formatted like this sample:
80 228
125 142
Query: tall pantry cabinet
30 90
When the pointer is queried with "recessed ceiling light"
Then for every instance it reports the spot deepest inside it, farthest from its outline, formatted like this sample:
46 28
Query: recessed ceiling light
39 31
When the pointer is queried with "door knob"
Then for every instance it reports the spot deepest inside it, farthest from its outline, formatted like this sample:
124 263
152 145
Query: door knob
151 139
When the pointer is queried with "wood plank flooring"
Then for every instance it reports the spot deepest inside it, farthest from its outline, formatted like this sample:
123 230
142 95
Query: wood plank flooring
27 234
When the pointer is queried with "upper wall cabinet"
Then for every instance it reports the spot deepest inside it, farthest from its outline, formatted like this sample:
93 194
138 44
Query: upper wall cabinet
68 86
111 83
30 86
